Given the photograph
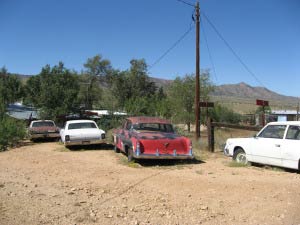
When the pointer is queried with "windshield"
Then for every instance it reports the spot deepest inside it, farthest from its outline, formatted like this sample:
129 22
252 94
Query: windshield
154 127
43 124
84 125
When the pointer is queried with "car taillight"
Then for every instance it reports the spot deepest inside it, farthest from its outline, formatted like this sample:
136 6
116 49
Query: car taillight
138 148
102 136
67 138
191 148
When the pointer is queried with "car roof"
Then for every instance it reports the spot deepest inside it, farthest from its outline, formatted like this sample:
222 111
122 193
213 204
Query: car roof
285 123
147 119
34 121
80 121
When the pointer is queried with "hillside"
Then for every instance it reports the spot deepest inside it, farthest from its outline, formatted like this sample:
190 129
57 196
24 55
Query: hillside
244 90
242 97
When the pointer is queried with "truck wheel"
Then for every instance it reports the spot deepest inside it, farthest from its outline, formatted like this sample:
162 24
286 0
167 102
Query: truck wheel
240 156
130 154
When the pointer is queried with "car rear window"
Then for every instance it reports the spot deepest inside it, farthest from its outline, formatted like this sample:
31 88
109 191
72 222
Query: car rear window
84 125
154 127
43 124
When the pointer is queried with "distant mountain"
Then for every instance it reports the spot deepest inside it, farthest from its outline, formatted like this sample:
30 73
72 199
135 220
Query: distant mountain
242 97
243 90
160 82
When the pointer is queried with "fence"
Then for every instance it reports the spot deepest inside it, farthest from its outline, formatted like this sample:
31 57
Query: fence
211 131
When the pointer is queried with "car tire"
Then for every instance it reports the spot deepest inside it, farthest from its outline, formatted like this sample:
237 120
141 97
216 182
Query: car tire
130 154
240 156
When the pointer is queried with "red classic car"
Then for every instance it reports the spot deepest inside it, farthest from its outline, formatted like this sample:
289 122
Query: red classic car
151 138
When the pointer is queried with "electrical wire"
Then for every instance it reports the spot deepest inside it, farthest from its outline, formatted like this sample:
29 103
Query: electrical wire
187 3
172 47
209 52
231 49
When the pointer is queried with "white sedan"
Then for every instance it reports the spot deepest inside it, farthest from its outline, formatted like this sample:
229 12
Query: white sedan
278 144
81 132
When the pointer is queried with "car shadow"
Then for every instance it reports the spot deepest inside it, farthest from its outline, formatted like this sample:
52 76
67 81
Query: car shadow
98 147
274 168
43 140
167 162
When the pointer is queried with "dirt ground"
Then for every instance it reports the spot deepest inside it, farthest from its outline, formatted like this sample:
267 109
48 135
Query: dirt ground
44 183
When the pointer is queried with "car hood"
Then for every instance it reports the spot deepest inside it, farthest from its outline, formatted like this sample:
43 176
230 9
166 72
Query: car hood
238 140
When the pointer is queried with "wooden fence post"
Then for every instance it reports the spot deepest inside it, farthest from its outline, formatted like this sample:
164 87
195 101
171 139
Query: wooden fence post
210 135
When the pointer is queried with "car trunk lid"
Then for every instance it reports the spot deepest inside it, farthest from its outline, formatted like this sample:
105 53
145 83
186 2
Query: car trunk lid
162 143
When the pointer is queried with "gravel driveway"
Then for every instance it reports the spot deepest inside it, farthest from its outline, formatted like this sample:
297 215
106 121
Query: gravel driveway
44 183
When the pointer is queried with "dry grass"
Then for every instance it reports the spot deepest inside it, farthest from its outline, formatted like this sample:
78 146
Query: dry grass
236 164
200 147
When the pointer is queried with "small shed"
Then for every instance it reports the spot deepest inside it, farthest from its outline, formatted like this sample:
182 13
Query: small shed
285 115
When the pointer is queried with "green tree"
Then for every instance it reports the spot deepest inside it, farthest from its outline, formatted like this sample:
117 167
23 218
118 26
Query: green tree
10 89
90 92
225 115
99 67
11 131
131 85
54 91
181 96
98 72
265 109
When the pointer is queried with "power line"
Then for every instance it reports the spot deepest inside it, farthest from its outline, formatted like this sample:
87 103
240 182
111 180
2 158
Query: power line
187 3
231 49
209 52
172 47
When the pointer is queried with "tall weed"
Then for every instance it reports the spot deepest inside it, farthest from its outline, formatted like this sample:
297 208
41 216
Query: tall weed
11 132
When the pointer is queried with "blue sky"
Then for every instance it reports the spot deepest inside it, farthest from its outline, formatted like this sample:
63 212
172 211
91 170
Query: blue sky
264 33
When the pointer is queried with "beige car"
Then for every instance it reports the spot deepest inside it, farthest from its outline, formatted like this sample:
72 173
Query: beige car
43 129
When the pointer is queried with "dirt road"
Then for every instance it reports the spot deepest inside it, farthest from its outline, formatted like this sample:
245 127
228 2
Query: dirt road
44 183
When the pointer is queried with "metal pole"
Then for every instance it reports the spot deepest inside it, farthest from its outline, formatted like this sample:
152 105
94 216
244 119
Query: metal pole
297 117
263 116
197 96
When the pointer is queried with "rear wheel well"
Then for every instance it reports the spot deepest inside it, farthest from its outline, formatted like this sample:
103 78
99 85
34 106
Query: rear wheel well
126 149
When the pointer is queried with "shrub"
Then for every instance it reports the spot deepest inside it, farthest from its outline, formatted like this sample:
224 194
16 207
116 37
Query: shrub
109 122
11 131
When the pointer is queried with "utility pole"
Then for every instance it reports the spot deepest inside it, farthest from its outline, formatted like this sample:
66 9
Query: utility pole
197 94
297 117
